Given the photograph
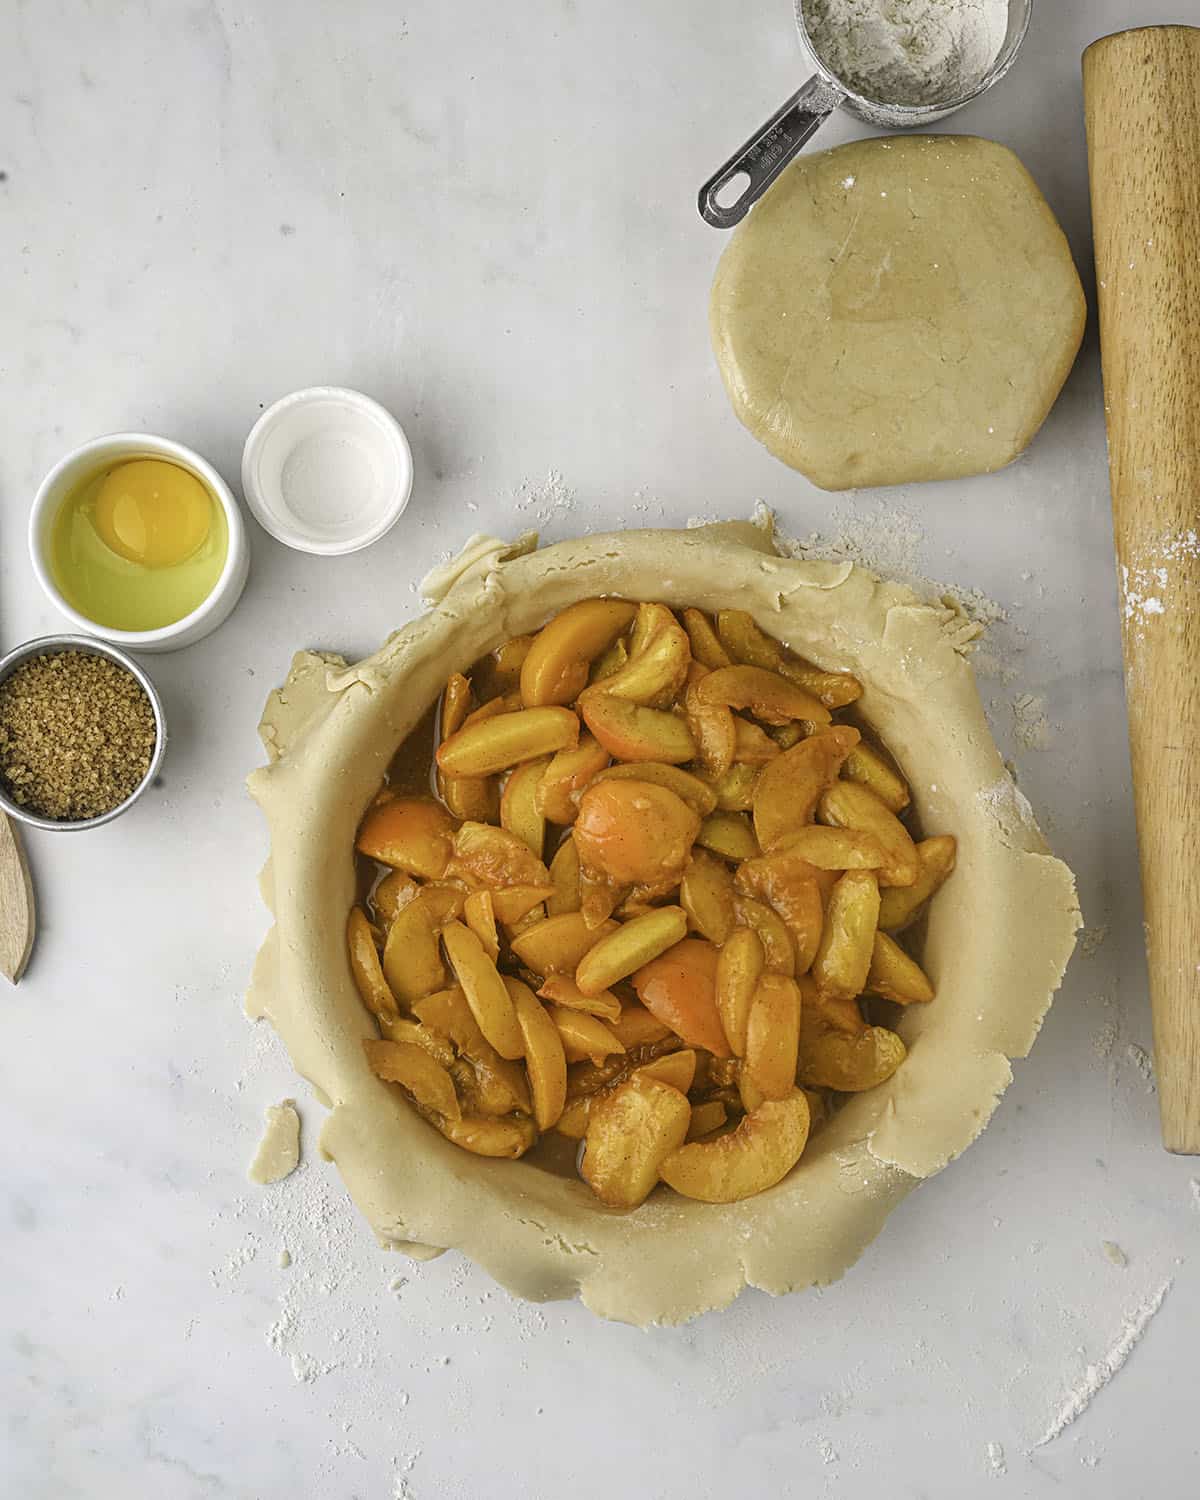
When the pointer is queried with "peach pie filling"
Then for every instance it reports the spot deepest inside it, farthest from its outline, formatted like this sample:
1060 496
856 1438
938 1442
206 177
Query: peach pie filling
648 893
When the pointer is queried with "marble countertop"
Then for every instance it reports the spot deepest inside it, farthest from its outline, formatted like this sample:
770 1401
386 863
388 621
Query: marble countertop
488 222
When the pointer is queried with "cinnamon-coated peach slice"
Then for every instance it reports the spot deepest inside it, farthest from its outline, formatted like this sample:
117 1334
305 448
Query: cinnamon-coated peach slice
545 1060
456 704
848 1062
658 659
484 990
635 1027
773 1036
714 731
519 812
573 1121
680 988
900 906
392 895
505 740
676 1068
609 662
633 945
555 669
366 968
565 777
489 1084
728 834
740 965
404 1030
558 944
634 832
629 1133
629 731
501 671
872 769
474 799
562 990
415 1070
788 789
564 875
706 647
828 848
895 976
514 902
847 940
706 1117
779 950
767 695
736 788
487 858
585 1037
751 744
509 1137
408 833
759 1153
412 963
790 887
698 795
744 640
706 894
479 913
847 804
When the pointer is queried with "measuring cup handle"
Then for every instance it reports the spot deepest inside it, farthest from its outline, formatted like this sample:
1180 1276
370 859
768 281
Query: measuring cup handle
768 151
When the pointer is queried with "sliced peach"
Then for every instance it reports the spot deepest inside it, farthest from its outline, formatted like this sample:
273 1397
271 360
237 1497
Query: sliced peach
507 740
635 1027
728 834
788 885
545 1060
706 647
565 777
564 874
849 1063
488 858
456 704
740 965
847 804
408 833
787 735
833 848
558 944
847 941
404 1030
778 948
706 894
489 1084
479 913
609 662
586 1078
742 637
735 790
658 659
517 901
584 1036
788 790
484 1136
706 1117
562 990
632 946
691 789
628 731
822 1010
392 895
759 1153
366 968
519 812
676 1068
634 832
630 1132
773 1036
872 769
506 703
415 1070
484 990
715 732
599 896
680 988
895 976
901 905
555 670
751 744
501 671
474 799
573 1121
412 963
767 695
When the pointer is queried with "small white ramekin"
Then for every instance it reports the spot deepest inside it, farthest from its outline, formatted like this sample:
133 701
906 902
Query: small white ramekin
115 448
327 470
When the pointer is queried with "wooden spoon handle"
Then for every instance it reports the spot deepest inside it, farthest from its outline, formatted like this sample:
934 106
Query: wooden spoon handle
1142 103
16 904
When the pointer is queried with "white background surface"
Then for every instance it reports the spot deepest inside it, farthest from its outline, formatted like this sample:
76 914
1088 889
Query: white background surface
484 216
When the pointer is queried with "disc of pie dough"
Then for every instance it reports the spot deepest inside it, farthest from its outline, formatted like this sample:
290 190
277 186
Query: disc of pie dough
897 309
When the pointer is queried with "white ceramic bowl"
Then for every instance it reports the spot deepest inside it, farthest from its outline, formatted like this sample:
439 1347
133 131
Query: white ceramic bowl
114 448
327 470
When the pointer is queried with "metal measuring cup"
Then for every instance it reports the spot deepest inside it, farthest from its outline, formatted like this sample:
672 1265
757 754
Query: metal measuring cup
773 145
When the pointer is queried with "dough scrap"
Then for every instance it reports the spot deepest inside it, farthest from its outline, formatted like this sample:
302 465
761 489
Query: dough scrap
999 937
897 309
278 1152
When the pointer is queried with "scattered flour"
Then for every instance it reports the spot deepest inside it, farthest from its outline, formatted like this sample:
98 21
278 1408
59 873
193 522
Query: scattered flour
1096 1377
829 1454
546 498
997 1464
1139 1058
1033 730
1091 938
1195 1185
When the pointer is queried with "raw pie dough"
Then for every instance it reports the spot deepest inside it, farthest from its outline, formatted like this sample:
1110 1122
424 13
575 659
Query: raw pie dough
1000 932
897 309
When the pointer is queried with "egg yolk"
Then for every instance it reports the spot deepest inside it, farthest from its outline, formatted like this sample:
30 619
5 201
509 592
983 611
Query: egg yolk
152 512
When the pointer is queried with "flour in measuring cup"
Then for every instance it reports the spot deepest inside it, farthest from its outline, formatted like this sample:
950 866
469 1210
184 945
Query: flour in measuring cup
907 51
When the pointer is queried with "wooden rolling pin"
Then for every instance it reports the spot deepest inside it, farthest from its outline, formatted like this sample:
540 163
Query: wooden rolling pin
1142 103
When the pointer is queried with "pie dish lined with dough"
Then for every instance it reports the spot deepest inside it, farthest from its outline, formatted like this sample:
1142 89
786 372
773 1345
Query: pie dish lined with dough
331 731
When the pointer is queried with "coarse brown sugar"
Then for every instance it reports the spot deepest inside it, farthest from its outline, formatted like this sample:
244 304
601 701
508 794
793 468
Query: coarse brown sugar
77 733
